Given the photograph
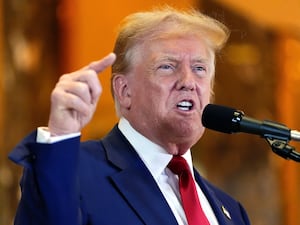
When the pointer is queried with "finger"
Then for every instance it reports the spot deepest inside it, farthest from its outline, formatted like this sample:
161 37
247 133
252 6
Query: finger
65 100
85 84
80 89
93 84
100 65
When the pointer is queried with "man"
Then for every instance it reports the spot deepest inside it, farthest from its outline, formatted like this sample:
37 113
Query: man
162 76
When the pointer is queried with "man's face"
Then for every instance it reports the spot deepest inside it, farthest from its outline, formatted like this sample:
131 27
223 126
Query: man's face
169 85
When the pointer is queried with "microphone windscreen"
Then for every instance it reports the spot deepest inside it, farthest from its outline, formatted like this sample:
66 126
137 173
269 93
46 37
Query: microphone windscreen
218 118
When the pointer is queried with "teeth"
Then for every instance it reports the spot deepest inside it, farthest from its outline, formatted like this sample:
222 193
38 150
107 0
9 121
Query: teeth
185 105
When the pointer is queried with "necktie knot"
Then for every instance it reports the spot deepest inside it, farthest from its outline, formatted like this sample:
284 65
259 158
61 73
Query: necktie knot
178 165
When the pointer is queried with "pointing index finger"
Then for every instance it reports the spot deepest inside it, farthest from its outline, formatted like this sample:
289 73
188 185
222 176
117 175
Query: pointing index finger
102 64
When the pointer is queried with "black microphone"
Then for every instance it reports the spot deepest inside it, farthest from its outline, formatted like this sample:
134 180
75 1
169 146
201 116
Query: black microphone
229 120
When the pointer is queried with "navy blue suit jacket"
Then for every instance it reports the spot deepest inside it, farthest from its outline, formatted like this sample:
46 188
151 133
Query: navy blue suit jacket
99 183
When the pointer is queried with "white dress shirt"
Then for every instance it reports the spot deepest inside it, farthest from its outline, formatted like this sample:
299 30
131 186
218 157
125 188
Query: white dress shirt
156 160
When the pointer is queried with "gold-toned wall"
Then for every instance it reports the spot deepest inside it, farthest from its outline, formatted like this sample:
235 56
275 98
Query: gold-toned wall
29 70
288 93
71 33
277 14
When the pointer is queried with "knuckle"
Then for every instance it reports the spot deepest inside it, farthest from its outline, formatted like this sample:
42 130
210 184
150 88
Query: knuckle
54 94
64 77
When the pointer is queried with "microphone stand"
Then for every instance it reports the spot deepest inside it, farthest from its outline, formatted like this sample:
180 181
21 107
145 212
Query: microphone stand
282 148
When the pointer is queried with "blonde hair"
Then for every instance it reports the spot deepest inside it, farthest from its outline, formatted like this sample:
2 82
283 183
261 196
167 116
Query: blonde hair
143 26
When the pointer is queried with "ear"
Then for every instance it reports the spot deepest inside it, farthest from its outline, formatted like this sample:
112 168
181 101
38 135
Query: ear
122 90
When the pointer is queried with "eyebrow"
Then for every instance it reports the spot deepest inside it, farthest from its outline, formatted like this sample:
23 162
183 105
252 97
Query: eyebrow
176 59
167 57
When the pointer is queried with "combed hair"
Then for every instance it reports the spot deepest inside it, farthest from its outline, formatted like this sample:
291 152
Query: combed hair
142 26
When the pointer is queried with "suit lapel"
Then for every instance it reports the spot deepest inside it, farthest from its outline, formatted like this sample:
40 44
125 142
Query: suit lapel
222 214
135 182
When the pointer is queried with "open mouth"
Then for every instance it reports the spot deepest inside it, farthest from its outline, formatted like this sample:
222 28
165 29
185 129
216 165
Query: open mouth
185 105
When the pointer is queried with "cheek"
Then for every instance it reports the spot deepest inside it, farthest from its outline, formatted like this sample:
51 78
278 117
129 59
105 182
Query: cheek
146 94
205 90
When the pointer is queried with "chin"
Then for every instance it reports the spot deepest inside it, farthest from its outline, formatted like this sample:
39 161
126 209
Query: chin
188 131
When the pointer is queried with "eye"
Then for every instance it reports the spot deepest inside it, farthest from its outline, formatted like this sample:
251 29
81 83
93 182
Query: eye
200 70
166 67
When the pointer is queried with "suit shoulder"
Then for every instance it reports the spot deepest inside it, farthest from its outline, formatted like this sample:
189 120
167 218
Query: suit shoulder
93 148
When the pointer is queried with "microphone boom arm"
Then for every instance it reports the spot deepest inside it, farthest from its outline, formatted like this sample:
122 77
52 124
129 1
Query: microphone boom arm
276 134
228 120
283 149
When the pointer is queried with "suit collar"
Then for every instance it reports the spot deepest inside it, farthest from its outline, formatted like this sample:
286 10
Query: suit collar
135 182
222 214
154 156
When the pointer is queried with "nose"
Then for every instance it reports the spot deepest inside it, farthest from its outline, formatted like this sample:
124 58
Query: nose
186 80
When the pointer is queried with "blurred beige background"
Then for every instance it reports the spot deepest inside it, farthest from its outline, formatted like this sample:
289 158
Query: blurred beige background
258 72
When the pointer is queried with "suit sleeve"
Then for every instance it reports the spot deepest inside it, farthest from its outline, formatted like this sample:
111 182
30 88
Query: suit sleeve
49 185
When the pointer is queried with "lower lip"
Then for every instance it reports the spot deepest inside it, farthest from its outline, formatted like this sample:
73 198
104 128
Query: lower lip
185 111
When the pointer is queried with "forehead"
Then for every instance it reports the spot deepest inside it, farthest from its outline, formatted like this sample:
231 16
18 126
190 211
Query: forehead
175 46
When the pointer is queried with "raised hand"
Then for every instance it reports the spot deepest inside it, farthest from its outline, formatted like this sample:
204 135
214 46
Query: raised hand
75 97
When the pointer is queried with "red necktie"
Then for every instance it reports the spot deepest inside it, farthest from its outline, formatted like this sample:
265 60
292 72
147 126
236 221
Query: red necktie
187 188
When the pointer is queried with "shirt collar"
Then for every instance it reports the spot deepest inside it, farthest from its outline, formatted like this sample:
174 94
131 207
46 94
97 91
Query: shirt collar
154 156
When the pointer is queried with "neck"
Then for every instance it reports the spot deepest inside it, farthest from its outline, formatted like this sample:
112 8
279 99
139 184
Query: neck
175 148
